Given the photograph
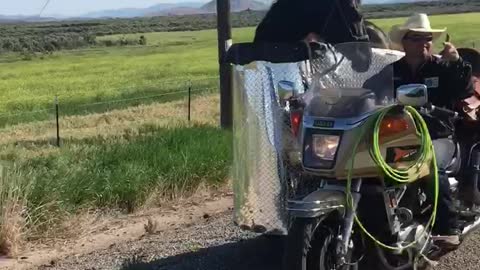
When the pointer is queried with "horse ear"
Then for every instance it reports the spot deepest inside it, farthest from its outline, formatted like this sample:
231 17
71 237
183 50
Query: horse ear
355 3
471 56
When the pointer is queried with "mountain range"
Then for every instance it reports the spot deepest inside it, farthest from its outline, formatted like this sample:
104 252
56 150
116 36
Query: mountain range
141 12
26 18
182 8
170 9
185 8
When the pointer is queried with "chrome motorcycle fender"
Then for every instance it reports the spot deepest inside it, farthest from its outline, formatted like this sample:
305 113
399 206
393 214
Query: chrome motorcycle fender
318 203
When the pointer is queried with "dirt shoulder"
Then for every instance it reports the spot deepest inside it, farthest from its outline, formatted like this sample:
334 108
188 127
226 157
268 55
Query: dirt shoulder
109 231
193 234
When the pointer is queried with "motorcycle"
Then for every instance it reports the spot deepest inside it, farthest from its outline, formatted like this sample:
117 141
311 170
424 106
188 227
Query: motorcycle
343 165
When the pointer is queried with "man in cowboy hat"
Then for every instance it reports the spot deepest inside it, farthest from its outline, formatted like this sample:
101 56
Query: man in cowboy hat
448 79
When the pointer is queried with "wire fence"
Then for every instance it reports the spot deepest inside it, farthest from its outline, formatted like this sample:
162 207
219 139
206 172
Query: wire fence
66 118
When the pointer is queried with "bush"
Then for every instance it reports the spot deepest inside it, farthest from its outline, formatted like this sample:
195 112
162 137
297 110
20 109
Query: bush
142 40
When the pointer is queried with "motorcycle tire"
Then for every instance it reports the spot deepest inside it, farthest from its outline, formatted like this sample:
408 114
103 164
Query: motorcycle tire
308 247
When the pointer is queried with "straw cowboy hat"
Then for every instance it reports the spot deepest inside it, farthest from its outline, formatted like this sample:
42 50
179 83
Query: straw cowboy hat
418 23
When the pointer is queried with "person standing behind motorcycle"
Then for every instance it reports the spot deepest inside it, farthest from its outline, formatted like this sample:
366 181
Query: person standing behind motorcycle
468 130
448 79
472 56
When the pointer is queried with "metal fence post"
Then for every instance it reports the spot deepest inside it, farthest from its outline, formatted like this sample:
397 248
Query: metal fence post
57 120
189 100
224 32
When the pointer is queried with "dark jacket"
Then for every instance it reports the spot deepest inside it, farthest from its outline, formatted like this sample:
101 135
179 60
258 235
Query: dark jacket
448 83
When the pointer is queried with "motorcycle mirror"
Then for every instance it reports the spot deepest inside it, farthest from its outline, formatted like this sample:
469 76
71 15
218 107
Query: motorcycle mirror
286 90
412 95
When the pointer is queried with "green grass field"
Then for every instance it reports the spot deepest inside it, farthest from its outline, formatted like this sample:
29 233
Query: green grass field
166 65
105 74
118 155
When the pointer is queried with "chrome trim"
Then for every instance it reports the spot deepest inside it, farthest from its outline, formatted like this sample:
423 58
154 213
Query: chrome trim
471 228
317 203
453 182
349 219
339 123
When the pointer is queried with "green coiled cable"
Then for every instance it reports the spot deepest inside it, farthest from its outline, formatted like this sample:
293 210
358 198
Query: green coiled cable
400 176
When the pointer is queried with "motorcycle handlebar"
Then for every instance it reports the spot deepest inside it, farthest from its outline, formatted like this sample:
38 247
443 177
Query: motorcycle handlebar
442 112
296 102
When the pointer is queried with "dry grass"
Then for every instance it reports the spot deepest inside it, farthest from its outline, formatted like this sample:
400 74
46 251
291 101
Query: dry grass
38 138
11 228
12 204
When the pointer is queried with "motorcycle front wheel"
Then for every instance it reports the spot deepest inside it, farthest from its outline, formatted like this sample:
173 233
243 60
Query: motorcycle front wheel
312 246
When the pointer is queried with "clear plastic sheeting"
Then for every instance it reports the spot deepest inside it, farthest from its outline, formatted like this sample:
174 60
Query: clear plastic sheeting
262 133
346 84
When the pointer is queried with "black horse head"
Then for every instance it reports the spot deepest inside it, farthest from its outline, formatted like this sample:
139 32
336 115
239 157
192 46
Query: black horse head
334 21
377 36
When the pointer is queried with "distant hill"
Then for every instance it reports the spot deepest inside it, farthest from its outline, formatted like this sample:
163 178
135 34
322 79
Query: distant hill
21 18
177 11
375 8
238 5
116 13
211 7
164 8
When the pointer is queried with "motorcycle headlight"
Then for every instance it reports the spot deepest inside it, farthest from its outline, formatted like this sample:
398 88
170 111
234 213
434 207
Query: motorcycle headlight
325 146
320 148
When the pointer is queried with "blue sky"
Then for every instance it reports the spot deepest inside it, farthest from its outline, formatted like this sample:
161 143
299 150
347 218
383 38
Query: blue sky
74 7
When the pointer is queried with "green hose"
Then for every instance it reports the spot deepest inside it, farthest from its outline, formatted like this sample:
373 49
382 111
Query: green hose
400 176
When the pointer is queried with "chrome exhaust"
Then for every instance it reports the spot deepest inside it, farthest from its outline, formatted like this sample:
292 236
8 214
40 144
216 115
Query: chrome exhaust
471 228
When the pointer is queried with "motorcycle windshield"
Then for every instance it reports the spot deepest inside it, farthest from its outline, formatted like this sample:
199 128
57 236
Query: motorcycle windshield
350 80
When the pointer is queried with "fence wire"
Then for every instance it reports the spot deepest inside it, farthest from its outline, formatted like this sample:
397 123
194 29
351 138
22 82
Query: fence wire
67 107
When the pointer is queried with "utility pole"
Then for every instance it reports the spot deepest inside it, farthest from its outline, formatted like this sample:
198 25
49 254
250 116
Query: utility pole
224 30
